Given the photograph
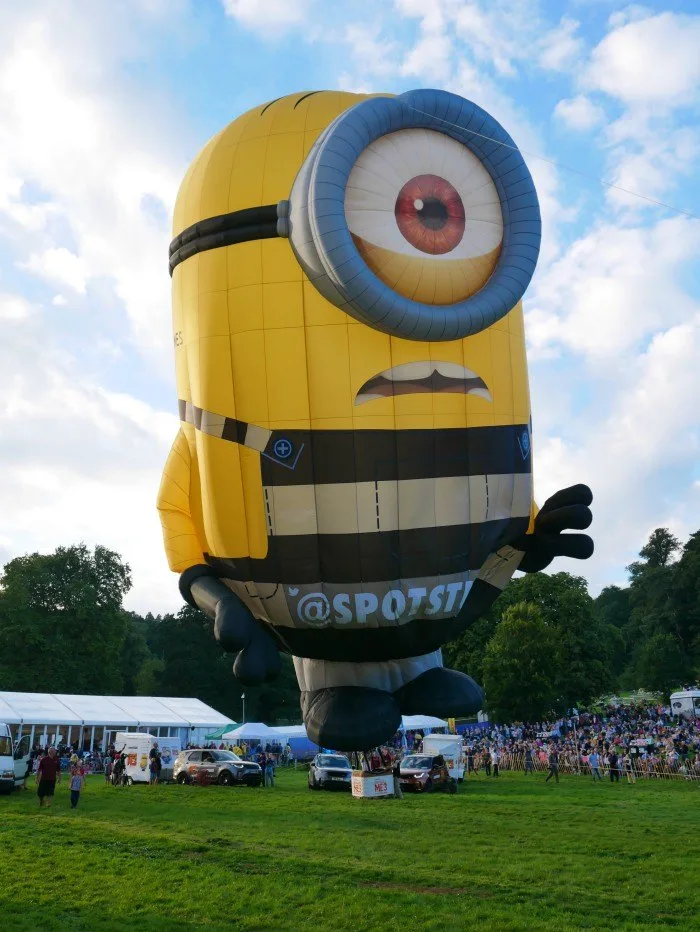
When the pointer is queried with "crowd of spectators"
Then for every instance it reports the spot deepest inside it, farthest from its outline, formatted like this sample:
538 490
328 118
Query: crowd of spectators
625 741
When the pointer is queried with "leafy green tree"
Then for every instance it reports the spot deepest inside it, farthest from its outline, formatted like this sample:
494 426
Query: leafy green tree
613 606
61 620
612 609
467 652
685 599
655 623
522 666
147 680
660 663
658 552
585 646
136 657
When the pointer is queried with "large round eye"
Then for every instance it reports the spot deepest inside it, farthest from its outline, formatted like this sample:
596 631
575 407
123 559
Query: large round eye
416 215
425 216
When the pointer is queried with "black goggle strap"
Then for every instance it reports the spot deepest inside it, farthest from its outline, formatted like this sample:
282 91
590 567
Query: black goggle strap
241 226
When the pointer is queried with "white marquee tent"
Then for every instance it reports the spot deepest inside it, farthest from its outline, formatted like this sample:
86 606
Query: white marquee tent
421 722
94 719
255 731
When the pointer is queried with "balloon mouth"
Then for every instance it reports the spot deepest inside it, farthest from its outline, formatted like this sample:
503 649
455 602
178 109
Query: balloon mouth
414 378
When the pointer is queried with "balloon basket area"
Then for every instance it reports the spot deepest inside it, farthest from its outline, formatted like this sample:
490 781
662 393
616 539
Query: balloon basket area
375 785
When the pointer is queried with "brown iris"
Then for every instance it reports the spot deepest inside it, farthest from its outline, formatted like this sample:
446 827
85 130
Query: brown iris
430 214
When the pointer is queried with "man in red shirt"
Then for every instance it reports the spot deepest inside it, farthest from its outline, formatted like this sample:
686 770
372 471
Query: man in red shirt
48 774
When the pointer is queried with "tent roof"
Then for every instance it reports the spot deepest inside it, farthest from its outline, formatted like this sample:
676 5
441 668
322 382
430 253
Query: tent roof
413 722
57 709
220 732
252 730
195 712
289 731
37 708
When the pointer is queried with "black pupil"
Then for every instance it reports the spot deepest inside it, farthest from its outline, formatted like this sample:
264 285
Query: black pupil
433 214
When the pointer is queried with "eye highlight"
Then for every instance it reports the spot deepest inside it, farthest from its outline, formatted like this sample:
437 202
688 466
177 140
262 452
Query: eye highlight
425 216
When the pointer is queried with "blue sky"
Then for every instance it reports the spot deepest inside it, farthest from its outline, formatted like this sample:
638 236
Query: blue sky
102 106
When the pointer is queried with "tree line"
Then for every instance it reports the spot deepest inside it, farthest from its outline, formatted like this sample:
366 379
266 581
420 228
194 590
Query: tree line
545 645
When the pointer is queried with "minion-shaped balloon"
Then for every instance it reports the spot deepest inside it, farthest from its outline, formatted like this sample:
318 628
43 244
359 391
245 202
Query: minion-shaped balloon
352 478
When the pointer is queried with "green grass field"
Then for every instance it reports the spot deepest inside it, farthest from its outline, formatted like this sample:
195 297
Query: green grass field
509 853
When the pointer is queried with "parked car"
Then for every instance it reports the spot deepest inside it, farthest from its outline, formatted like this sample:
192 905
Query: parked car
330 772
222 767
423 773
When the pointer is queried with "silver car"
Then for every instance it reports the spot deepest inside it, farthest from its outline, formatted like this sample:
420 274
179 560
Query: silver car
222 767
330 772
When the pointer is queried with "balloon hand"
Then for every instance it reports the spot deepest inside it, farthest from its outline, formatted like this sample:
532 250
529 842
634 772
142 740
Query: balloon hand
567 509
257 659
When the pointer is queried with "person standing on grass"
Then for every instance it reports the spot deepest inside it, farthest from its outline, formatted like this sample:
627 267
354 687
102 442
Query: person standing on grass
48 774
495 758
628 766
528 760
614 764
594 764
470 762
553 765
486 761
77 780
269 771
154 764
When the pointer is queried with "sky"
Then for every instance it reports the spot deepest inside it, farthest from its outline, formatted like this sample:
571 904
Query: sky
103 106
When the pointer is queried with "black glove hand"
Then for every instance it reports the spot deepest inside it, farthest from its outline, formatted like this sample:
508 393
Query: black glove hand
235 628
257 659
566 509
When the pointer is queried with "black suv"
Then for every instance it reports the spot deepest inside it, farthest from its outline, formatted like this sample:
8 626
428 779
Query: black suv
425 772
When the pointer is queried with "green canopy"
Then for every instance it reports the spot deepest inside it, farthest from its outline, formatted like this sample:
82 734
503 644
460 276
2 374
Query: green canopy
220 732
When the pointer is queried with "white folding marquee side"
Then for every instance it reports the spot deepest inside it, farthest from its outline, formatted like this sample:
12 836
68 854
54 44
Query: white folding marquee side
95 718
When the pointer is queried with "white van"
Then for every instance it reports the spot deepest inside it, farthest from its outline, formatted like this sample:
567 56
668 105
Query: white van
450 746
137 747
13 760
686 703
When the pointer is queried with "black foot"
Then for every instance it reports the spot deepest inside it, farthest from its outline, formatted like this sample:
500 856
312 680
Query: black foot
440 692
350 718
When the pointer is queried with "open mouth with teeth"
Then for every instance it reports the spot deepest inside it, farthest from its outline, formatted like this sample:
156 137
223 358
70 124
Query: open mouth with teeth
418 377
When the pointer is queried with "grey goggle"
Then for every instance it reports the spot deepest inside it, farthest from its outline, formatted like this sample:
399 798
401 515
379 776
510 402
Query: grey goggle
314 219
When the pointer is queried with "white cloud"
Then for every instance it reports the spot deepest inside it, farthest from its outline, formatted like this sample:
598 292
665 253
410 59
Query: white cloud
649 61
67 128
430 57
560 48
80 463
268 16
13 307
650 160
79 152
579 113
59 265
613 288
372 54
637 448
